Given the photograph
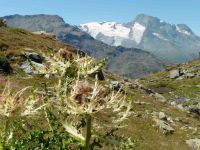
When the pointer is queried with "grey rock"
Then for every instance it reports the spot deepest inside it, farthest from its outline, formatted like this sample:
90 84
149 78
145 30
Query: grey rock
160 98
2 22
115 85
34 57
164 127
28 49
193 143
28 67
162 116
179 101
190 75
174 73
195 109
169 119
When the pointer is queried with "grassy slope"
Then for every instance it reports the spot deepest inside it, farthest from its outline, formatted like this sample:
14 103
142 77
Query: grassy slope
17 40
140 126
171 88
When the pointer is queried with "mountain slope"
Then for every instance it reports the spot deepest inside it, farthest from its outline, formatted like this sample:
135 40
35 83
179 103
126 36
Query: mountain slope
174 43
135 62
141 125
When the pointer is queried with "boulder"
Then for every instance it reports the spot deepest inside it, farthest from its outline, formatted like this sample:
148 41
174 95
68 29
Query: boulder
162 116
195 110
193 143
115 85
34 57
174 73
99 74
164 127
179 101
189 75
3 22
28 67
160 98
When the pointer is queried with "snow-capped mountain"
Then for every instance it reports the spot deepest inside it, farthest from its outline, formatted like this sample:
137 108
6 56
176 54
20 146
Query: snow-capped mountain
114 33
174 43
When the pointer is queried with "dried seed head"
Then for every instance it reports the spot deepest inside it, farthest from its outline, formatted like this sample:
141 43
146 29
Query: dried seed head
82 92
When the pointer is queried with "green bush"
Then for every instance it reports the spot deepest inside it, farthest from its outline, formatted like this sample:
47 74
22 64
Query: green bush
5 65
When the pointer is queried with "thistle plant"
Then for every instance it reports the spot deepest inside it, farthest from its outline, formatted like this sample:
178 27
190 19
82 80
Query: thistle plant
14 107
75 110
78 98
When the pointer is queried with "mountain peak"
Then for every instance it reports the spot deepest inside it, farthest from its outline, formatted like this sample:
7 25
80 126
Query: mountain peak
34 16
41 20
184 27
146 19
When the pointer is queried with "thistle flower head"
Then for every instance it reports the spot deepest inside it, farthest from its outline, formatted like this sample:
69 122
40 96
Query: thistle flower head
13 104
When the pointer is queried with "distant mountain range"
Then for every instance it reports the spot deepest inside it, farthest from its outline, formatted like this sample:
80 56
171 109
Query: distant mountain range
173 43
129 62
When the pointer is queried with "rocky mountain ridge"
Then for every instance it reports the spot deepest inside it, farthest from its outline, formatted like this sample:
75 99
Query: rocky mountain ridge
173 43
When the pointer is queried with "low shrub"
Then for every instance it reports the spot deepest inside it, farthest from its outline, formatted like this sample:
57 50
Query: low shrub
5 65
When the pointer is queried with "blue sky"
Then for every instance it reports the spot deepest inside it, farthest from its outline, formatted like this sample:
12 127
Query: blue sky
82 11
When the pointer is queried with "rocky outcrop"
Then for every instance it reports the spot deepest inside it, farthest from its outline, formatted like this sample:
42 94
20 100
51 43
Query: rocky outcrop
174 73
33 62
3 22
44 33
163 122
164 127
183 72
30 67
33 57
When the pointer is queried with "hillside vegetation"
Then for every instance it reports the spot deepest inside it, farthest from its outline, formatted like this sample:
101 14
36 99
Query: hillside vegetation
152 123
